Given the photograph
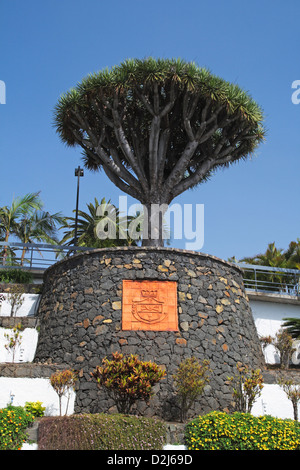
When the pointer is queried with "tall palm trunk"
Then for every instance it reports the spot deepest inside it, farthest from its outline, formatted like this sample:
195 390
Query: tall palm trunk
5 247
23 256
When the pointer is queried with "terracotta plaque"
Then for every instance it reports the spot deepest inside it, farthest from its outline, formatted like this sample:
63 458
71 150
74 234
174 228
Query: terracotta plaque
149 305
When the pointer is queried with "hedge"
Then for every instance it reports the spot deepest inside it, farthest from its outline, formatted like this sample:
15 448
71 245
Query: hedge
15 276
101 432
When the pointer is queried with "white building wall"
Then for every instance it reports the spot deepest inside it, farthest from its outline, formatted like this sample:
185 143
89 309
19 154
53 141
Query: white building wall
20 390
24 350
273 401
268 318
28 307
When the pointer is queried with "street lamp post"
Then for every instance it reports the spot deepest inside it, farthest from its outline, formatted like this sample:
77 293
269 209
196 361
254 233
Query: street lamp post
78 173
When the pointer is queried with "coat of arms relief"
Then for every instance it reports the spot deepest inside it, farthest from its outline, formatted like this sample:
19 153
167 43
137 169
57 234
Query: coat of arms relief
149 305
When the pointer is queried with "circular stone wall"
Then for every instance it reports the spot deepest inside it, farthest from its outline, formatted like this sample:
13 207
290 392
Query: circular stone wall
81 322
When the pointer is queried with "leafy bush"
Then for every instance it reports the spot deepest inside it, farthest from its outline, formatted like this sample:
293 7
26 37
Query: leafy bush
247 386
13 423
242 431
101 432
35 408
127 379
283 343
190 379
15 276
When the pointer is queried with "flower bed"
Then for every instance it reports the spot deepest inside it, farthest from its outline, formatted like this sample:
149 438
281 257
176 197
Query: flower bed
13 423
242 431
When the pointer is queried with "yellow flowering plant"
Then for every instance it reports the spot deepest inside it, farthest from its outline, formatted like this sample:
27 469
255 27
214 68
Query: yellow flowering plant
35 408
13 423
241 431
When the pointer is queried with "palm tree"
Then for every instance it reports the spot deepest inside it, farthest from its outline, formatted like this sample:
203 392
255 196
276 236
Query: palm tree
94 223
292 255
292 326
39 226
272 257
276 258
9 216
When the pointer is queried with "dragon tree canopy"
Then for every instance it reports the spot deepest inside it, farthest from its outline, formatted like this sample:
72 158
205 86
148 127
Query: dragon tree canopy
158 127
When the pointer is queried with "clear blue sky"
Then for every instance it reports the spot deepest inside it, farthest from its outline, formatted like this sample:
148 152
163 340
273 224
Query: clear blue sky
48 46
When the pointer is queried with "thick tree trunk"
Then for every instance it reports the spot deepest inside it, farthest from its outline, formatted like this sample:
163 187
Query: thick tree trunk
153 224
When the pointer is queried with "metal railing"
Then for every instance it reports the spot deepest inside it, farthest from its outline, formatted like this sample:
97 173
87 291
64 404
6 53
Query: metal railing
34 256
41 256
271 280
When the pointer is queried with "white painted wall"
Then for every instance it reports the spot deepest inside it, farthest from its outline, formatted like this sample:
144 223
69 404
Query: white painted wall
24 351
273 401
20 390
27 308
268 318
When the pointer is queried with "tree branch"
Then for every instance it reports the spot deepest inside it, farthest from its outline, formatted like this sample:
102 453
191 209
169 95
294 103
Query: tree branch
162 152
114 165
123 186
125 147
181 165
153 151
145 101
190 181
230 153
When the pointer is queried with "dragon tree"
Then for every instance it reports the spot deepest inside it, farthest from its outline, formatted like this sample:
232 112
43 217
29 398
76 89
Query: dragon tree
158 127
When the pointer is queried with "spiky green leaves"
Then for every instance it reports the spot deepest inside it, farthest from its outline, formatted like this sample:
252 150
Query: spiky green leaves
143 74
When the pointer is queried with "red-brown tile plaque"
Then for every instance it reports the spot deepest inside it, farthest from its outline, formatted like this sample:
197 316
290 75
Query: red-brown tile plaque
149 305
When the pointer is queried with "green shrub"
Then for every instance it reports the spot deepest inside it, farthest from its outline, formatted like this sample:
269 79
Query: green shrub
35 408
242 431
101 432
127 379
15 276
247 386
190 379
13 423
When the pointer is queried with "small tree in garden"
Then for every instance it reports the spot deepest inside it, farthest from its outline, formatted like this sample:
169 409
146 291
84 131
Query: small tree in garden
293 393
265 341
15 298
2 298
247 385
14 340
283 343
127 379
190 380
63 382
